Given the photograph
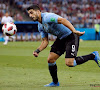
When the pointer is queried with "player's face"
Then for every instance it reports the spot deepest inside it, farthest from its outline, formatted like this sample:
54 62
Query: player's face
6 14
33 14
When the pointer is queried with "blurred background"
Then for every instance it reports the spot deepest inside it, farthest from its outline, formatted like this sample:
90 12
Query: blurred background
83 14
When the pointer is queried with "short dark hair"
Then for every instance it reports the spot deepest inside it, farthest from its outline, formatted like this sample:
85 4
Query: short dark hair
34 7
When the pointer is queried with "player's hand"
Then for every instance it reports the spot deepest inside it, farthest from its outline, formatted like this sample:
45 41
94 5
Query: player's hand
35 54
79 33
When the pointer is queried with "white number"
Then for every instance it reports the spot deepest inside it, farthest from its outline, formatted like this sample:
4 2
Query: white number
73 48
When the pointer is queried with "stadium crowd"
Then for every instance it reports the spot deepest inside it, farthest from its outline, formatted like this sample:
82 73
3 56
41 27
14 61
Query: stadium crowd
82 14
5 7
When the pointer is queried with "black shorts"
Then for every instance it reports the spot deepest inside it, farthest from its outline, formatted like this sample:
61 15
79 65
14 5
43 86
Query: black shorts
69 44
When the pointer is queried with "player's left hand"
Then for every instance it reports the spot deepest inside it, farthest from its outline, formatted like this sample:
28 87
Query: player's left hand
35 54
79 33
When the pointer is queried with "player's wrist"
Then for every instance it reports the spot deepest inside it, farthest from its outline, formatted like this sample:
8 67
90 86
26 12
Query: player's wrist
37 51
75 31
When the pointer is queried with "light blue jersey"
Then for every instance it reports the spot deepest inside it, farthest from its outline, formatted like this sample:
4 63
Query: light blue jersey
50 25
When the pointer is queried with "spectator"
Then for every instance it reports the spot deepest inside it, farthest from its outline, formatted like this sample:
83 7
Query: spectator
86 9
97 29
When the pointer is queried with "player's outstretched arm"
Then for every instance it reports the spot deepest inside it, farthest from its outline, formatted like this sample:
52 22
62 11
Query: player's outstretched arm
43 45
69 25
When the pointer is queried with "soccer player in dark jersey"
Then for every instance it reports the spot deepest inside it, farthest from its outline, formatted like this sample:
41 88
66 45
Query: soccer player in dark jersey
67 41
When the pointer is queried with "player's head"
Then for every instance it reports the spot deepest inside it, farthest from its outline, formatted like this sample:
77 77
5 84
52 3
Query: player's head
6 14
34 12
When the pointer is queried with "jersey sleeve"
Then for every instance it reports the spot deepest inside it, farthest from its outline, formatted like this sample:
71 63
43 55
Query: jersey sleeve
42 32
51 18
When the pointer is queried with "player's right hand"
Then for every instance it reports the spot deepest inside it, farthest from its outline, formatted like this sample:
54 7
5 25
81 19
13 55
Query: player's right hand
35 54
79 33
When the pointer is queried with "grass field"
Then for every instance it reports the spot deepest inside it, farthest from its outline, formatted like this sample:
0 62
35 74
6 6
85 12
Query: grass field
20 70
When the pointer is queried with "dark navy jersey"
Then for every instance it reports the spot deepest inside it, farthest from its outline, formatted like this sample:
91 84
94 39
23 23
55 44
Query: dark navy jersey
50 25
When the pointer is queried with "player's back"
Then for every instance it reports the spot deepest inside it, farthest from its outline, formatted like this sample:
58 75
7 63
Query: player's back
50 25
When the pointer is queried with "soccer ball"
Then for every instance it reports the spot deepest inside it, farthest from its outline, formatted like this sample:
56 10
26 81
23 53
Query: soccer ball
9 29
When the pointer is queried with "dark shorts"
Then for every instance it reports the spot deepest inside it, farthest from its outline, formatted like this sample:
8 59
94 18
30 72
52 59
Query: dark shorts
69 45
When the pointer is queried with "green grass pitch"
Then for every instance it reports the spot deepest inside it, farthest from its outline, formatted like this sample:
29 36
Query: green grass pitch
20 70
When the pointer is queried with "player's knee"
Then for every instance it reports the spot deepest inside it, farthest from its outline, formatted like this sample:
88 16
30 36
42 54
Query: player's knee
51 60
70 64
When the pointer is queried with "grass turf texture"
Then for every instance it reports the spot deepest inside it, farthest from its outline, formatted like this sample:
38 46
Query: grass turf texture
20 70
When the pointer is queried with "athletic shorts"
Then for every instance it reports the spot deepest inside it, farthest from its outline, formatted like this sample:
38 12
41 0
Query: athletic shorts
69 45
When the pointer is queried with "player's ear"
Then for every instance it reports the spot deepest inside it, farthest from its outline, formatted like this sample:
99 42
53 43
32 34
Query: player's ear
38 11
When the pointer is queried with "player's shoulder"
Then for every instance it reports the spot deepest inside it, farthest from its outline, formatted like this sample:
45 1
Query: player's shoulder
48 15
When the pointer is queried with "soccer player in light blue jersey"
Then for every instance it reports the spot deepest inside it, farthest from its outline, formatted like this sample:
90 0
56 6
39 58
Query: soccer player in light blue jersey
67 41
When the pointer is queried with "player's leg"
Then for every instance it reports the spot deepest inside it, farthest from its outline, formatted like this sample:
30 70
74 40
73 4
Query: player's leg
72 44
53 69
56 51
71 53
82 59
13 38
6 38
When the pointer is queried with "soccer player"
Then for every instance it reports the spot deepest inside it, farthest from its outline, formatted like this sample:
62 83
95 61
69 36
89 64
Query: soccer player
4 20
67 41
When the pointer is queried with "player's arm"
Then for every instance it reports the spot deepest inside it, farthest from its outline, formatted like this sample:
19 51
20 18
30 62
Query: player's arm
43 45
2 20
69 25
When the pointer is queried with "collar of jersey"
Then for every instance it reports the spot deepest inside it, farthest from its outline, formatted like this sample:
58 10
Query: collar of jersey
42 15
